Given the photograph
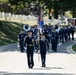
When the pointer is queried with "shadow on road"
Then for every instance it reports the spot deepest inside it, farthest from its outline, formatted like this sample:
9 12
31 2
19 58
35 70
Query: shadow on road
61 49
6 73
47 68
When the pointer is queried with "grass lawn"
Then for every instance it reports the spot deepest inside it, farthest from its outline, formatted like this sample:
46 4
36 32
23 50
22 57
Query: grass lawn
74 47
9 32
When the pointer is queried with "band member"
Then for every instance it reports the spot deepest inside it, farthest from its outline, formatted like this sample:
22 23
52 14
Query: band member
21 40
47 36
72 30
43 45
65 34
29 41
54 40
68 32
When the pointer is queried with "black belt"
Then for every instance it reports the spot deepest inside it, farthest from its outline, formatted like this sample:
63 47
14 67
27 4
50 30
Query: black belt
30 45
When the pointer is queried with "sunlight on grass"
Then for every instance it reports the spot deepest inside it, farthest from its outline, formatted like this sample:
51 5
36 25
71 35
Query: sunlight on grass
5 41
1 33
9 32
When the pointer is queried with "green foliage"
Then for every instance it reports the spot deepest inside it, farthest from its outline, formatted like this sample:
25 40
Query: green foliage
5 7
4 1
17 5
68 14
60 5
74 47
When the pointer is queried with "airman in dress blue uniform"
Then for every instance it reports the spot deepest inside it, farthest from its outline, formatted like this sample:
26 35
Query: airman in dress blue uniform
72 30
47 35
29 41
54 40
65 34
60 34
21 37
43 45
68 32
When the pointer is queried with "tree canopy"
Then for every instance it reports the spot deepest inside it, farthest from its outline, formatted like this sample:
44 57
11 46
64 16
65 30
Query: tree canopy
60 5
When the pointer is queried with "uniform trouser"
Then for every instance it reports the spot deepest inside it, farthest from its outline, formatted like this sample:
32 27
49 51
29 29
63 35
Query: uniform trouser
30 52
72 36
62 37
69 36
65 37
43 57
54 46
48 38
22 47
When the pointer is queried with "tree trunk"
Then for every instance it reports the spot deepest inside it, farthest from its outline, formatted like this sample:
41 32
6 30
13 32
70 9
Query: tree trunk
63 12
50 14
74 13
55 13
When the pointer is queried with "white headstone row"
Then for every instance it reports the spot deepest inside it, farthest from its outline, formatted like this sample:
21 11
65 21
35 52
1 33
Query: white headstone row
9 16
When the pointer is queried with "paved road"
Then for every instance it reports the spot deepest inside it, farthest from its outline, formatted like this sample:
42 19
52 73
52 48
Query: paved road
12 62
13 47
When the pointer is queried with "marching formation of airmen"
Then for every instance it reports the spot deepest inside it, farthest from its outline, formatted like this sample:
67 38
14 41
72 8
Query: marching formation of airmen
39 41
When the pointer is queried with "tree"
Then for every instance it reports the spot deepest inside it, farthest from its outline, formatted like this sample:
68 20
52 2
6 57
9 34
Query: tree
4 6
59 6
18 5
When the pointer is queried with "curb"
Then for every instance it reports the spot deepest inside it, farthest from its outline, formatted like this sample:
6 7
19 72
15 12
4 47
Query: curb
70 50
4 46
7 45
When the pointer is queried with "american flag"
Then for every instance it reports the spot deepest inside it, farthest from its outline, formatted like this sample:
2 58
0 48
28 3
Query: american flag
40 22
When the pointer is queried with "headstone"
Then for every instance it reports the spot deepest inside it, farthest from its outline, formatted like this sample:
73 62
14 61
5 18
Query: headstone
20 17
3 15
13 16
34 18
30 17
27 17
23 17
0 14
6 16
16 17
9 14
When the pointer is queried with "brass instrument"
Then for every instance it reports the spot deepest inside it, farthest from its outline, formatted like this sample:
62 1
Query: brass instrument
26 27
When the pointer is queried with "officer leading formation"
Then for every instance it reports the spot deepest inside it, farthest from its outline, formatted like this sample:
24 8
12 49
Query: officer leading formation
29 41
51 36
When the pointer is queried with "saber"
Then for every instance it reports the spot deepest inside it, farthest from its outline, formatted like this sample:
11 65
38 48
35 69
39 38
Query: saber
38 57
